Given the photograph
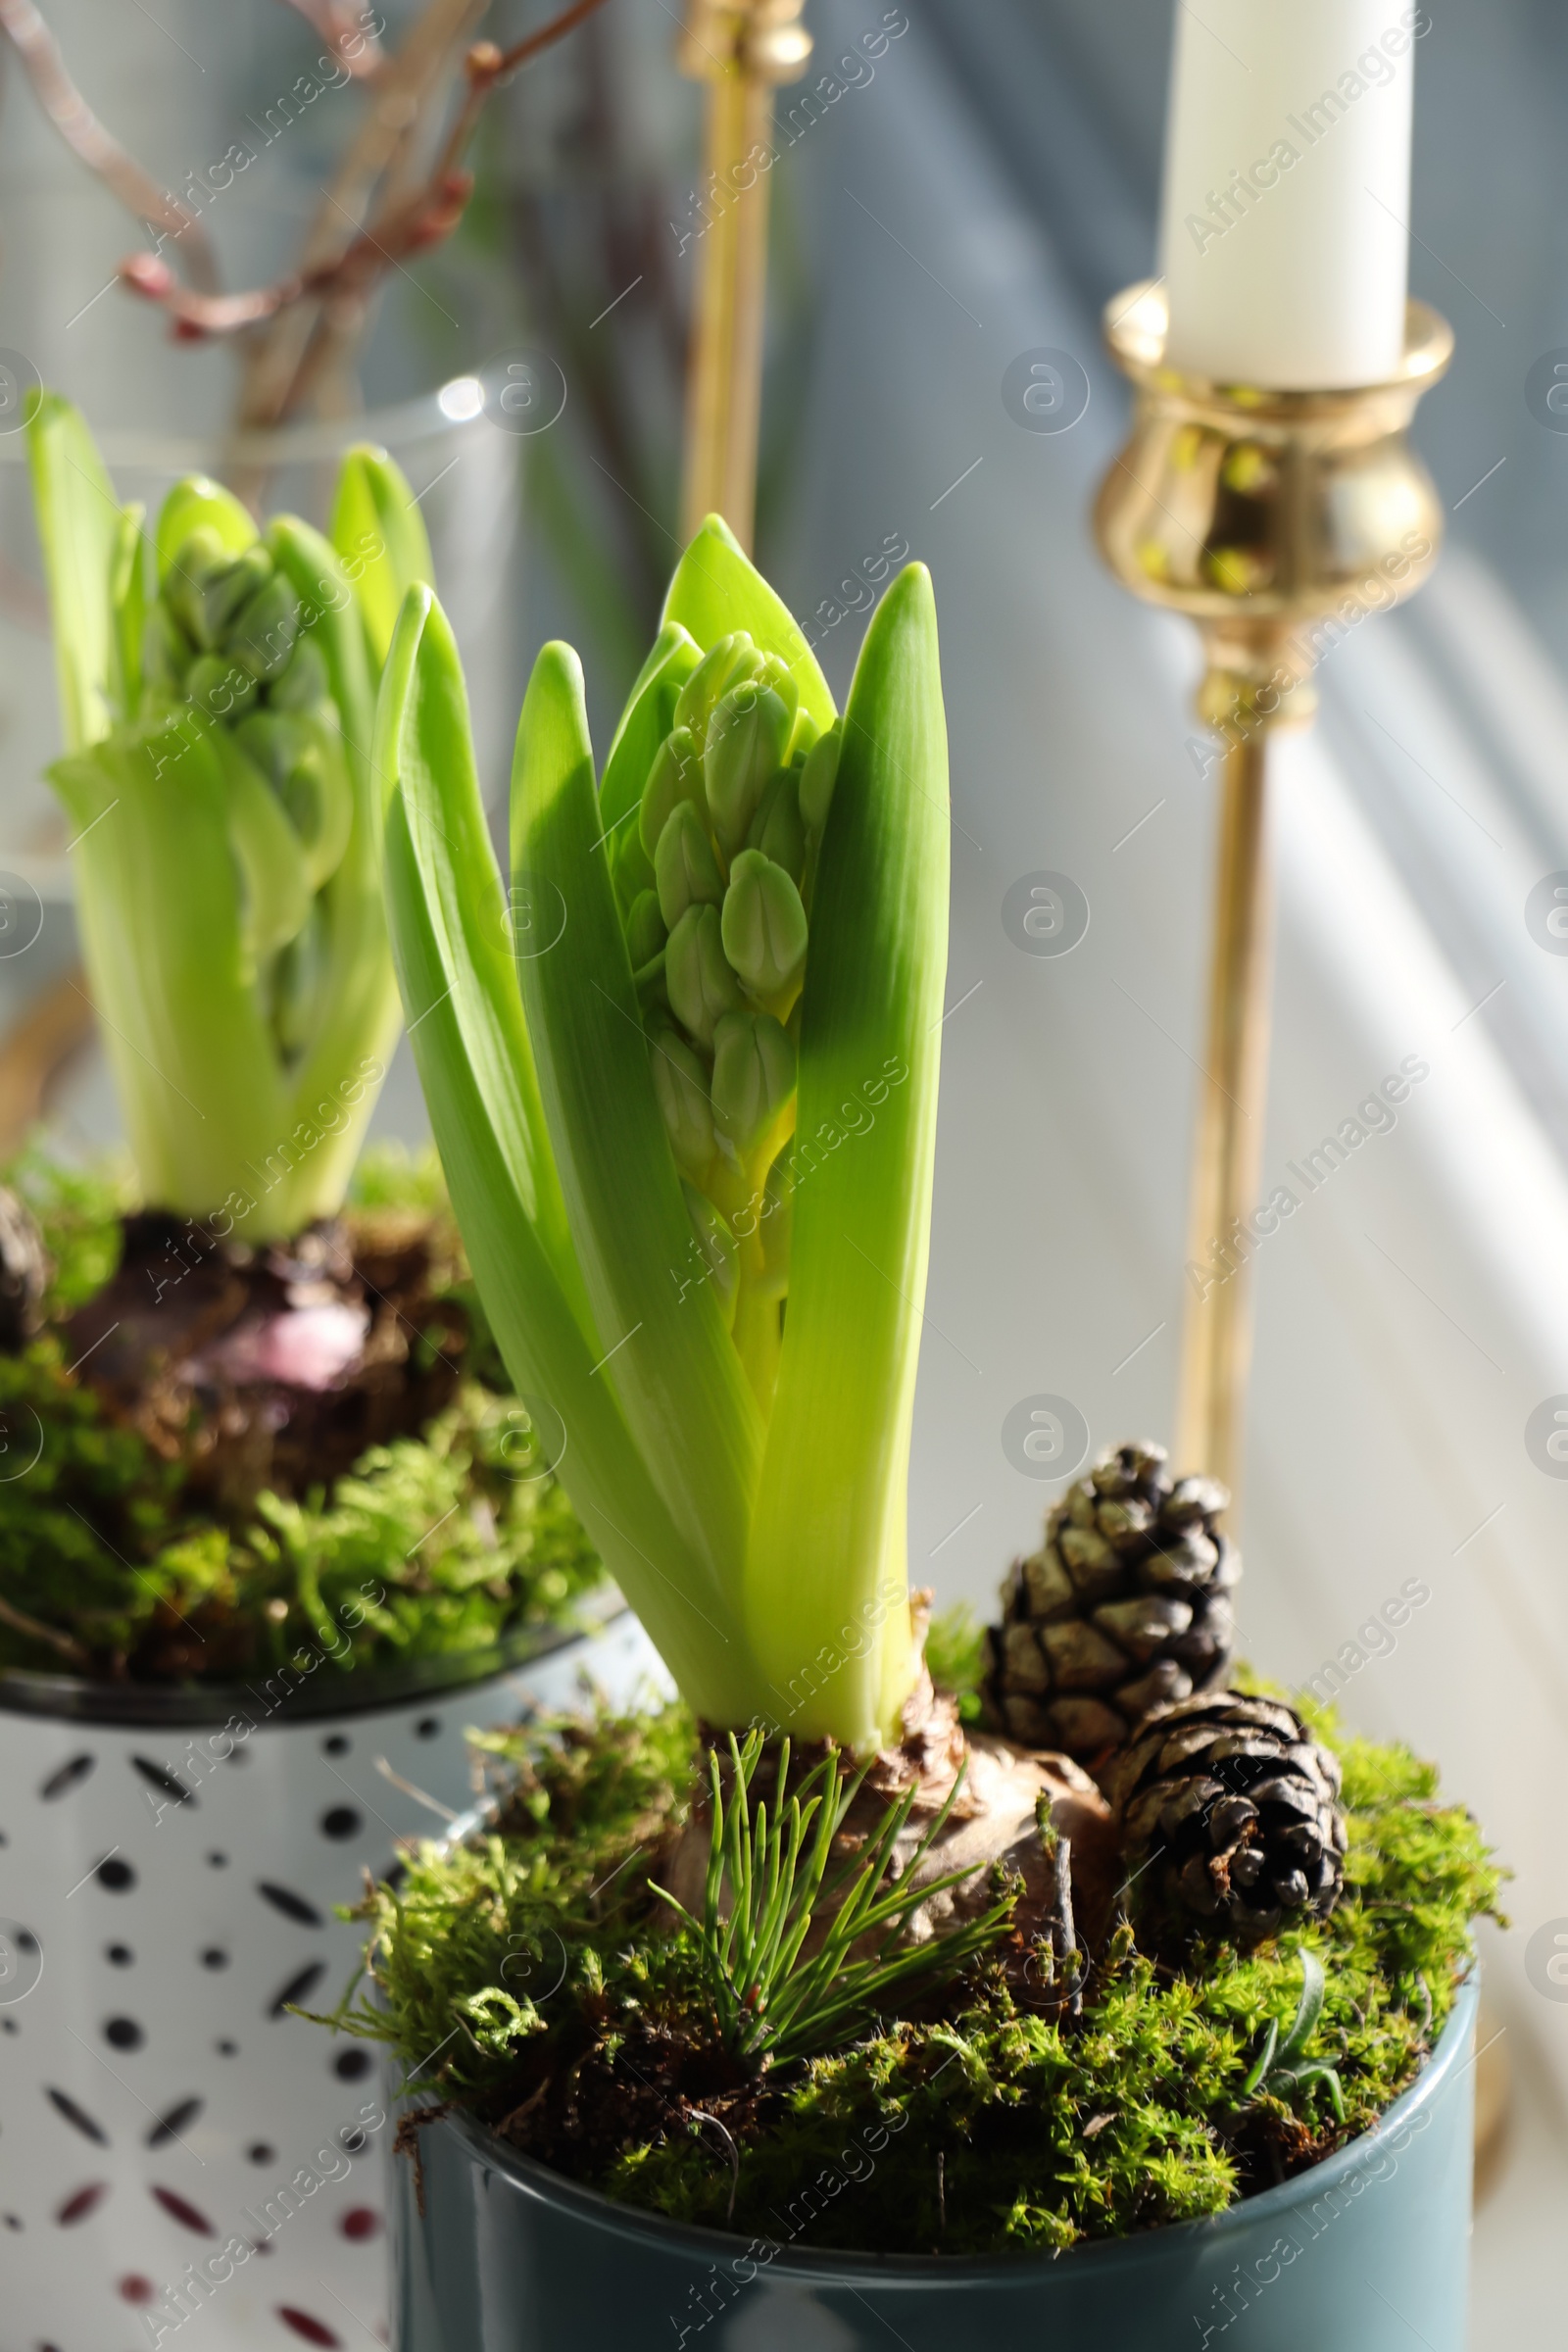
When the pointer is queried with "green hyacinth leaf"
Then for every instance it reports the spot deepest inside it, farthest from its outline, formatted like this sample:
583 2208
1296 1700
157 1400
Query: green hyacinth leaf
716 591
817 778
127 600
476 1064
79 529
380 540
763 926
829 1531
647 719
271 862
720 1255
199 504
330 616
680 1386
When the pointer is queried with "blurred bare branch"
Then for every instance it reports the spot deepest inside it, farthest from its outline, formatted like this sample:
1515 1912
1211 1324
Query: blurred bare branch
67 109
342 28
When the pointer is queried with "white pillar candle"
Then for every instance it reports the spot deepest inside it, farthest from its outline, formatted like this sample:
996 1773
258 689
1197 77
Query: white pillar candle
1286 238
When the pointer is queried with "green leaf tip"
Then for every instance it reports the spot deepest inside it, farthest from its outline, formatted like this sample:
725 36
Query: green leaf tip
719 1024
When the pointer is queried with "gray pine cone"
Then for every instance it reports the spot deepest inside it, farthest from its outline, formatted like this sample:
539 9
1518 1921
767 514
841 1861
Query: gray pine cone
1230 1808
1126 1606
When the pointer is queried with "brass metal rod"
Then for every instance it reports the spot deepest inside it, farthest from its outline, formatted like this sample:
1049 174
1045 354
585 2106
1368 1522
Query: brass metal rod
1228 1145
724 393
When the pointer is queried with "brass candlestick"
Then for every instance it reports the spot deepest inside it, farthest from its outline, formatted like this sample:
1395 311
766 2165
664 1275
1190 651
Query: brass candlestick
1277 521
742 49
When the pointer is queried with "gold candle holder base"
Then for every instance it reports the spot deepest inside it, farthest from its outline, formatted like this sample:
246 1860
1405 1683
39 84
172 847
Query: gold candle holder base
1276 521
742 49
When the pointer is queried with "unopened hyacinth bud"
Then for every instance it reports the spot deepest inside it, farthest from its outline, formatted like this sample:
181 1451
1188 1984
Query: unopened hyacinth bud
763 927
819 778
746 745
724 663
218 685
702 987
681 1084
754 1078
777 829
646 932
718 1245
263 632
685 871
167 651
221 593
304 765
304 683
634 868
675 775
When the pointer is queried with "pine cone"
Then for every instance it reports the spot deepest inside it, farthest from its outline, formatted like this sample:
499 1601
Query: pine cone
1229 1804
1126 1605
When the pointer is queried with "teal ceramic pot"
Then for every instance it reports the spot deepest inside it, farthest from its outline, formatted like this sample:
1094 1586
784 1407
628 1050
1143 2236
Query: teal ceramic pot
1366 2252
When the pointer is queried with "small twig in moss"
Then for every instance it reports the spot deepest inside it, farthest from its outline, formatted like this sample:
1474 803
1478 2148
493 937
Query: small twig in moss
36 1630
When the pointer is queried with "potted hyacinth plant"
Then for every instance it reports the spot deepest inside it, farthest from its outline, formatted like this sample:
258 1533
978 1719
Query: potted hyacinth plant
1180 2021
266 1493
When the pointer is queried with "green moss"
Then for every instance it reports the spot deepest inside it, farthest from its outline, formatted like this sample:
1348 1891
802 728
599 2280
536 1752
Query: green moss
442 1544
447 1542
573 2018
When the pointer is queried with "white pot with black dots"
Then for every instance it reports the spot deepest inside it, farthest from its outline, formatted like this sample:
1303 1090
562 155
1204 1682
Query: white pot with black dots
182 2160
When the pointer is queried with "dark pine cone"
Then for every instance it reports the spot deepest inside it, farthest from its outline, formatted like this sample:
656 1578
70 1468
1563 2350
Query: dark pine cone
1233 1804
1125 1605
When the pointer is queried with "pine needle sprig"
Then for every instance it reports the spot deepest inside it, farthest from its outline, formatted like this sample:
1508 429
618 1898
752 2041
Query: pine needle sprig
771 1879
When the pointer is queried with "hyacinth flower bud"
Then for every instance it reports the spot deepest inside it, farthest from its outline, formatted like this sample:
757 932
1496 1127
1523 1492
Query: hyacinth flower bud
676 775
303 685
222 593
776 828
263 636
634 867
303 763
754 1078
776 674
724 663
819 778
717 1243
218 686
645 931
199 556
681 1084
702 987
166 653
746 745
763 927
685 871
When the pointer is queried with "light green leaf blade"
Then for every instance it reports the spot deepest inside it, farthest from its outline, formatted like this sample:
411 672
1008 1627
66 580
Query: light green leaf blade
647 719
828 1547
716 590
466 1024
198 504
680 1382
79 531
158 901
380 539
